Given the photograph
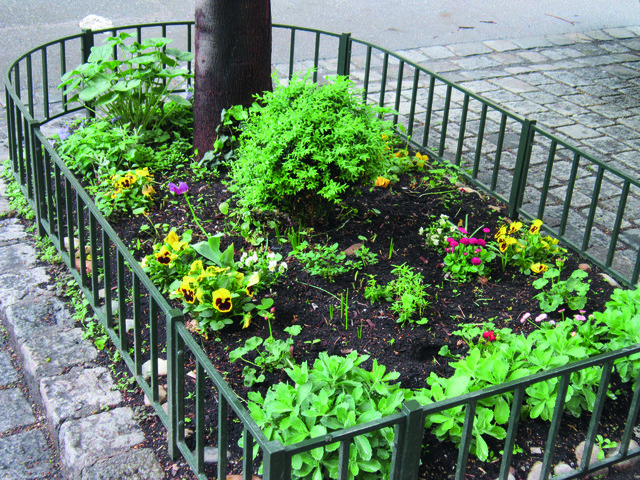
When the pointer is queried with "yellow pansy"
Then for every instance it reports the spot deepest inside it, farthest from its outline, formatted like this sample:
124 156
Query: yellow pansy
253 281
382 182
148 190
539 267
501 232
221 300
246 321
174 241
535 227
164 256
143 172
514 227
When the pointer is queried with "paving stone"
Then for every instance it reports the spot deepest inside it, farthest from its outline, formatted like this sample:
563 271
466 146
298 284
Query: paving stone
552 119
501 45
614 47
578 132
465 49
513 85
559 89
475 62
560 40
566 108
415 56
615 112
533 57
560 53
479 86
592 120
569 78
24 456
86 441
597 90
11 230
535 78
506 58
519 70
607 145
77 394
8 374
437 52
440 66
28 317
524 107
619 32
597 35
15 411
135 465
532 42
621 71
540 97
584 100
50 355
620 132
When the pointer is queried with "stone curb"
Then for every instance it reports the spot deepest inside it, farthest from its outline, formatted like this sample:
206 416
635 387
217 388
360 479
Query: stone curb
95 437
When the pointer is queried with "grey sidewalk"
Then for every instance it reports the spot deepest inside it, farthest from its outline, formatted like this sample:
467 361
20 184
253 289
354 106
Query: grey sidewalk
584 87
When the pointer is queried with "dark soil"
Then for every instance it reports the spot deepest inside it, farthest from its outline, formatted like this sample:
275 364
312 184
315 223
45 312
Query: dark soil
383 214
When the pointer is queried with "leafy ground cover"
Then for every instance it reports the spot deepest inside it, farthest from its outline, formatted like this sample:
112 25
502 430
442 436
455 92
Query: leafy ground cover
331 274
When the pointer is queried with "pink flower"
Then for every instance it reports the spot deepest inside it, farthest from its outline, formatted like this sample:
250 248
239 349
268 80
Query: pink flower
180 189
486 230
448 250
450 239
464 241
481 242
477 250
582 318
473 241
489 336
476 261
462 230
524 317
453 244
542 316
465 253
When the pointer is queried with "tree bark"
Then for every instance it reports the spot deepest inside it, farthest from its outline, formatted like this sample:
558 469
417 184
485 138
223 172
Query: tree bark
232 61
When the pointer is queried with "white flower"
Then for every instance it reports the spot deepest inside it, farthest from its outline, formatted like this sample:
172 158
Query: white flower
439 230
272 265
283 267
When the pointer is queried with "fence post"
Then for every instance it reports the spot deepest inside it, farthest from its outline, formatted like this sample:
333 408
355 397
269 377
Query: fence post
344 54
172 427
276 462
522 167
406 458
86 44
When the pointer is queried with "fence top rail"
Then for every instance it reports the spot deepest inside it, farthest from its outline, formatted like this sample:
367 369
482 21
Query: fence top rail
632 180
440 78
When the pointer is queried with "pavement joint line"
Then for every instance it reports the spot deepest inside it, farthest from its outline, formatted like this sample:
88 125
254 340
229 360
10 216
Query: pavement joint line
530 59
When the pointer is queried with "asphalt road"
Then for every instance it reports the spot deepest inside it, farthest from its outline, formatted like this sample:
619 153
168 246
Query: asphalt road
398 25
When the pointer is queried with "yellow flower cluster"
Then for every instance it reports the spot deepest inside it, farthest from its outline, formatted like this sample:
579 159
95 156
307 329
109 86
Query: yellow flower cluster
529 248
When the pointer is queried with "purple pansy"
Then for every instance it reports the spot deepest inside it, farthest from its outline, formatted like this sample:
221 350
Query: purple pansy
179 189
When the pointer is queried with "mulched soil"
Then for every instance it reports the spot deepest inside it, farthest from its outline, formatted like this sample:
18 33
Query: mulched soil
383 214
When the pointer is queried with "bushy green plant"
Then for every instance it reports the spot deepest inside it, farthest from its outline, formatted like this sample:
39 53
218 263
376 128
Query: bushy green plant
96 147
305 147
622 320
227 138
334 394
572 292
407 294
134 86
328 261
267 355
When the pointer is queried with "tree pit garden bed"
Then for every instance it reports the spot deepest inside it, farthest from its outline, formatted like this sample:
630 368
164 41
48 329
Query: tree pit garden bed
311 237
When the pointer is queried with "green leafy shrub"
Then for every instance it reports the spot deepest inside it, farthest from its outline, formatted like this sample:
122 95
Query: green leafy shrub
134 87
334 394
328 261
306 146
125 191
572 291
407 292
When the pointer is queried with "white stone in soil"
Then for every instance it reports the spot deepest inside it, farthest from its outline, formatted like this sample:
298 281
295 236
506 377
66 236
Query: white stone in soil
162 396
627 464
561 469
146 368
594 458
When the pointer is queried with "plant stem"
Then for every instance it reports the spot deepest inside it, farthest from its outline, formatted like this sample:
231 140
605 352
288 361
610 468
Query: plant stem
186 197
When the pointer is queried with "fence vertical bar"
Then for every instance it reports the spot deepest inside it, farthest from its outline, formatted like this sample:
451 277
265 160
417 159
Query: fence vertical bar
172 348
39 187
383 80
122 302
465 440
510 440
569 195
618 223
82 242
632 418
595 196
276 463
558 409
45 83
30 98
499 146
427 117
343 459
63 70
292 52
86 44
481 127
199 453
137 330
520 172
406 451
344 54
367 68
106 256
396 105
223 435
412 107
445 121
463 129
247 455
93 246
316 57
605 376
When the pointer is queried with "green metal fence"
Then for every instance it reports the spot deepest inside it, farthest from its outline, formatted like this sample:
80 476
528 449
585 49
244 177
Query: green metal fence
500 149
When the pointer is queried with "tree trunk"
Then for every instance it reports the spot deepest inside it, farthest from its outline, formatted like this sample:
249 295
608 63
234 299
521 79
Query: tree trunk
232 61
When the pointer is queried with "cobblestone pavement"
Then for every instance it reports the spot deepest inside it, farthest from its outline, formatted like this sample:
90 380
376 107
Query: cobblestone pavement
583 87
